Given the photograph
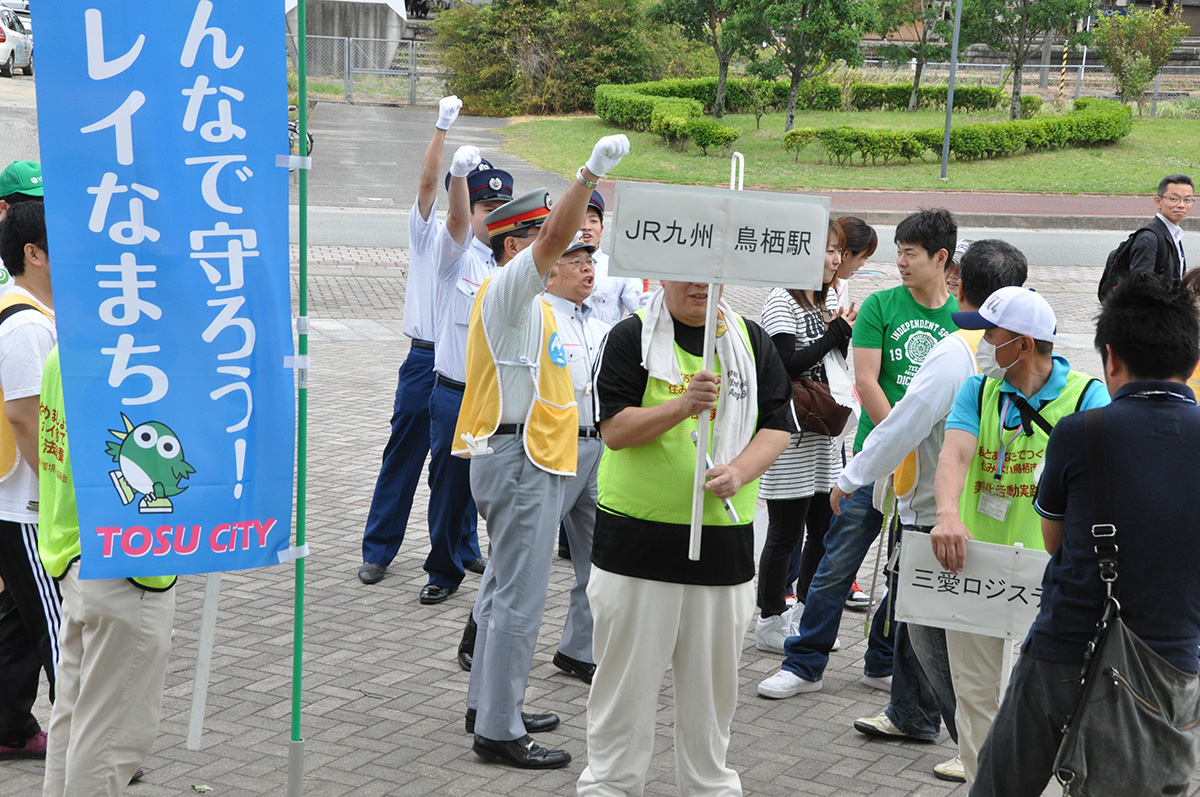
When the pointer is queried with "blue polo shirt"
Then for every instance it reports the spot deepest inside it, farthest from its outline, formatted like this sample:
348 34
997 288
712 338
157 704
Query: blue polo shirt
965 413
1152 434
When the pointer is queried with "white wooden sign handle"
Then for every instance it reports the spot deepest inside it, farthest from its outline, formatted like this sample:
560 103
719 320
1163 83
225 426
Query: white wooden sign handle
737 174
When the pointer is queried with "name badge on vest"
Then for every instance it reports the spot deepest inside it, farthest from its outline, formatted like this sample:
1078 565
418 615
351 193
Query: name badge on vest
557 353
993 506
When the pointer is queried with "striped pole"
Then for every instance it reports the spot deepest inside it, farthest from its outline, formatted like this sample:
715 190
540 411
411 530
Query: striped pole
1062 79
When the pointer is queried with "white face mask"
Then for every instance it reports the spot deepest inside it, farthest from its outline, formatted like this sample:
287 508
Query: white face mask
985 358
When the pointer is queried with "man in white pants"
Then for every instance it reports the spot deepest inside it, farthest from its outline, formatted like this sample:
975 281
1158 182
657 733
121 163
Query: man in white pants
654 607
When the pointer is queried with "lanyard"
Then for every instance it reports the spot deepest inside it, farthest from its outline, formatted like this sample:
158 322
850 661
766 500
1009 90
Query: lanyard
1004 445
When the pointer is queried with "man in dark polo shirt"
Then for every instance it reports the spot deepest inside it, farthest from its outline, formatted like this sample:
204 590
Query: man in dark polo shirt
1148 335
653 607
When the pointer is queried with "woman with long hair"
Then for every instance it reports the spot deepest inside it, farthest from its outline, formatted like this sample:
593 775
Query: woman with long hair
805 326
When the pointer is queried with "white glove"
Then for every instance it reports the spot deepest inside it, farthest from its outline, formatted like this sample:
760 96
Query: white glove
607 154
466 160
448 108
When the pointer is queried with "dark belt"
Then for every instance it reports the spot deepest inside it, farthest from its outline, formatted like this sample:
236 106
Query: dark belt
585 432
417 343
446 381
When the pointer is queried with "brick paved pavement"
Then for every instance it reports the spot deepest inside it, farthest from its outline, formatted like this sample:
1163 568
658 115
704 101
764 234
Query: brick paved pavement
383 694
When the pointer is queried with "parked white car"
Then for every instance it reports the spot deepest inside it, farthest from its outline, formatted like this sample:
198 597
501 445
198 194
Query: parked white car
16 45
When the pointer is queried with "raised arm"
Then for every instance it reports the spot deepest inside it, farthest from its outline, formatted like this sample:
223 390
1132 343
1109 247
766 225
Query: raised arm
567 215
458 217
431 165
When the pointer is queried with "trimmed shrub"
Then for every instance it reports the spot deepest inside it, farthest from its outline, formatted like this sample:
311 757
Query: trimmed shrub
1093 121
797 139
710 133
879 96
1030 105
670 117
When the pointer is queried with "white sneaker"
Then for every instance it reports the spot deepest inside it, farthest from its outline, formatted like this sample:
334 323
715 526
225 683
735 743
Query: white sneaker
879 725
883 684
793 629
952 770
837 644
769 633
786 684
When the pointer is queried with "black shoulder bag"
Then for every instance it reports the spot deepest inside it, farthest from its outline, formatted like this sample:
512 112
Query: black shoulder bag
1136 720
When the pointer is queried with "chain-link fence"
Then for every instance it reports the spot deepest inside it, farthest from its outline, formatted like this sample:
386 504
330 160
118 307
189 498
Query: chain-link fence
374 71
1091 80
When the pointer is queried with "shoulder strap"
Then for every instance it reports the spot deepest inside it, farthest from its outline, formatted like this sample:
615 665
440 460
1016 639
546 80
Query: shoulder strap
1028 411
13 309
1103 531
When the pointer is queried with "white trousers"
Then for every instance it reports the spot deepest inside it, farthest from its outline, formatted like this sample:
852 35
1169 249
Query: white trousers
641 628
114 645
977 670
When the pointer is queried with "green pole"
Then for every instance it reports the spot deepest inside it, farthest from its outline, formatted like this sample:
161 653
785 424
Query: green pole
296 747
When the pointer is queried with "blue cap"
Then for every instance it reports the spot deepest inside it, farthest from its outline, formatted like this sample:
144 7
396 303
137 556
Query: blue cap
487 183
597 202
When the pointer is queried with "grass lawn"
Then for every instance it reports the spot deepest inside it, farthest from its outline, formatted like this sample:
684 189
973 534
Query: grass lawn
1132 166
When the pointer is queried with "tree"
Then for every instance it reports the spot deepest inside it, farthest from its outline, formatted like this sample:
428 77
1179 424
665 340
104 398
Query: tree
913 29
806 37
1018 29
1136 47
703 21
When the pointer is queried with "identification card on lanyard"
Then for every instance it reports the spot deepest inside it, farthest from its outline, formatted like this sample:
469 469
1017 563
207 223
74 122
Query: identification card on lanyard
994 506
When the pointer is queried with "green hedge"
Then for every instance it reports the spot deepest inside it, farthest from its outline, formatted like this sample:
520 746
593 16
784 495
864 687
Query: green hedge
878 96
1093 121
710 133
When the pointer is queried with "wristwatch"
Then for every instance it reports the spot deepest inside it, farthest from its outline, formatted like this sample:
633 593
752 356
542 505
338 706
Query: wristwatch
586 183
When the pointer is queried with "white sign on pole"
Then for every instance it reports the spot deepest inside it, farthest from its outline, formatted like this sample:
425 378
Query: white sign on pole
998 592
697 234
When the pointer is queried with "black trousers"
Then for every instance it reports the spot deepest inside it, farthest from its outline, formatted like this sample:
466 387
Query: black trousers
30 612
787 520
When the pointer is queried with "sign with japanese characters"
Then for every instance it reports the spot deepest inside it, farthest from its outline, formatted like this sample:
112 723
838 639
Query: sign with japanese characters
167 218
998 592
676 232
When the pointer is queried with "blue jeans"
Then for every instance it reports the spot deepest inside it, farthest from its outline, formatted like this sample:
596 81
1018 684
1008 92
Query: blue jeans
849 537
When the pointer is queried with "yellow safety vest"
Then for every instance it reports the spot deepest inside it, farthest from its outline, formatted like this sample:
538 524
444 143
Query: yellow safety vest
551 433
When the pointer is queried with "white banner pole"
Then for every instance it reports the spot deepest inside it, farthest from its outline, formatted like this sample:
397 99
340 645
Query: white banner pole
208 628
737 175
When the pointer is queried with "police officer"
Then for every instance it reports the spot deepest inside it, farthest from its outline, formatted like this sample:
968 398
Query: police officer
409 441
464 262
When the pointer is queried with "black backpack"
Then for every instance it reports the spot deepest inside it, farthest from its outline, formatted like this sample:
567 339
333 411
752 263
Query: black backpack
1116 266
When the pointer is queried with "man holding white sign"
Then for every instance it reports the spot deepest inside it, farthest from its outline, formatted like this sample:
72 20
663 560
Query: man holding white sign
988 469
908 442
653 606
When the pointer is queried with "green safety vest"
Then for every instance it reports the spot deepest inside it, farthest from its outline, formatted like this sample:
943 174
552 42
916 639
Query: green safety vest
58 515
654 481
1022 460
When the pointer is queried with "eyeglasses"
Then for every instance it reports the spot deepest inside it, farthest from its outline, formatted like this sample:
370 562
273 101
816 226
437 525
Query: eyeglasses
1178 200
577 262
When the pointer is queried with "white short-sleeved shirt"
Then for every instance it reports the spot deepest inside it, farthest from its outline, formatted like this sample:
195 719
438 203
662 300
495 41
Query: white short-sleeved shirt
581 334
424 238
461 269
613 297
511 315
26 339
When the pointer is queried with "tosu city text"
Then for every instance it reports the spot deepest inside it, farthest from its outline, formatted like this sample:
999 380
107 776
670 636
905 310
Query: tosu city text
138 541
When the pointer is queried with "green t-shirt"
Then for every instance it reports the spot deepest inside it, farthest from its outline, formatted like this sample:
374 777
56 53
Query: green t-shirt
905 332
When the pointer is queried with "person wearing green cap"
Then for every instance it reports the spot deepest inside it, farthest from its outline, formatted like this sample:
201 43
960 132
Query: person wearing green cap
21 181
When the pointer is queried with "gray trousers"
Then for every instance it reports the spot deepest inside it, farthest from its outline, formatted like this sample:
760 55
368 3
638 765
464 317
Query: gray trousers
522 505
579 519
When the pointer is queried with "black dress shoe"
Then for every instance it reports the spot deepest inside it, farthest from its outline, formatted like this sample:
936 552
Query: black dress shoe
370 573
564 552
477 565
466 648
580 669
436 593
534 723
523 753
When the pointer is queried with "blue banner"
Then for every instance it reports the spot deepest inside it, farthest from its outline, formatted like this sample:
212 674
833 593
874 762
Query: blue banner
167 217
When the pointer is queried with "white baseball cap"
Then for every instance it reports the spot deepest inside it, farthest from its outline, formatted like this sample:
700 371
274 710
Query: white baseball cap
1019 310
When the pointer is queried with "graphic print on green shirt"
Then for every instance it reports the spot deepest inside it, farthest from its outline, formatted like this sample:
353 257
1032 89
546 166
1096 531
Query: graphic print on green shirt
904 332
